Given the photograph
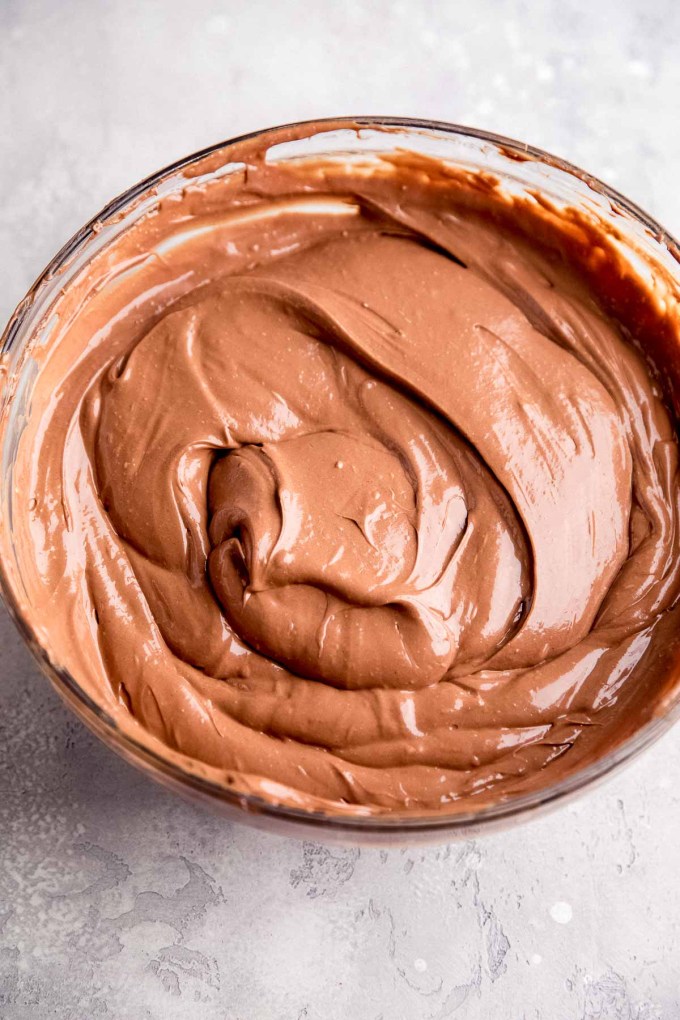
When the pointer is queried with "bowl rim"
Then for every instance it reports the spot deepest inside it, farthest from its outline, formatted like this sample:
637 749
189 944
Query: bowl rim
164 769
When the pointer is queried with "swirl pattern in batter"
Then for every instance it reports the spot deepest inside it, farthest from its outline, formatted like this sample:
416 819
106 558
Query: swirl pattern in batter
354 497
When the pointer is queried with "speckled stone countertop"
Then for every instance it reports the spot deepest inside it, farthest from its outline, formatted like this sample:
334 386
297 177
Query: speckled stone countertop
116 898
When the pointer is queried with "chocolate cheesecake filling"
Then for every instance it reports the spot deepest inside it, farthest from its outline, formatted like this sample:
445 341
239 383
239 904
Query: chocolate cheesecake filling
349 491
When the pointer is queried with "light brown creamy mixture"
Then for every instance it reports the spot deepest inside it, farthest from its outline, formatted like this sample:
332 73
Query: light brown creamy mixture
343 487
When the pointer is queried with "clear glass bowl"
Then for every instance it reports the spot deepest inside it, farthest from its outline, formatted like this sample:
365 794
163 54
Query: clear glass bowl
522 171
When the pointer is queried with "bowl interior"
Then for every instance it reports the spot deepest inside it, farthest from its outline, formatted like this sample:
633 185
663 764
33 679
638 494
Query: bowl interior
523 173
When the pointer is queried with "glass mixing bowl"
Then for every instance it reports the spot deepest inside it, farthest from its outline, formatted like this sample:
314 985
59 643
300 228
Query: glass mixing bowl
522 171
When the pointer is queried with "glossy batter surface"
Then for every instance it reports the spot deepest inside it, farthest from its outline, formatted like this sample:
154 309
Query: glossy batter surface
351 495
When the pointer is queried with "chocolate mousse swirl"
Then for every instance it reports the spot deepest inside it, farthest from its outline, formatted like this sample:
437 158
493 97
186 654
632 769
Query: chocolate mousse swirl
362 500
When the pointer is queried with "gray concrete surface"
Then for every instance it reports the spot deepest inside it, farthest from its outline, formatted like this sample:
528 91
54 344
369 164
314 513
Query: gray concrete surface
118 900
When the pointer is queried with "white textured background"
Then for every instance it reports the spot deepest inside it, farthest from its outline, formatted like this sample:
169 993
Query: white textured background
116 899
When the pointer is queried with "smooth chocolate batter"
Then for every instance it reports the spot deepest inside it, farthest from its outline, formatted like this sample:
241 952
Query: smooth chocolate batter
341 485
